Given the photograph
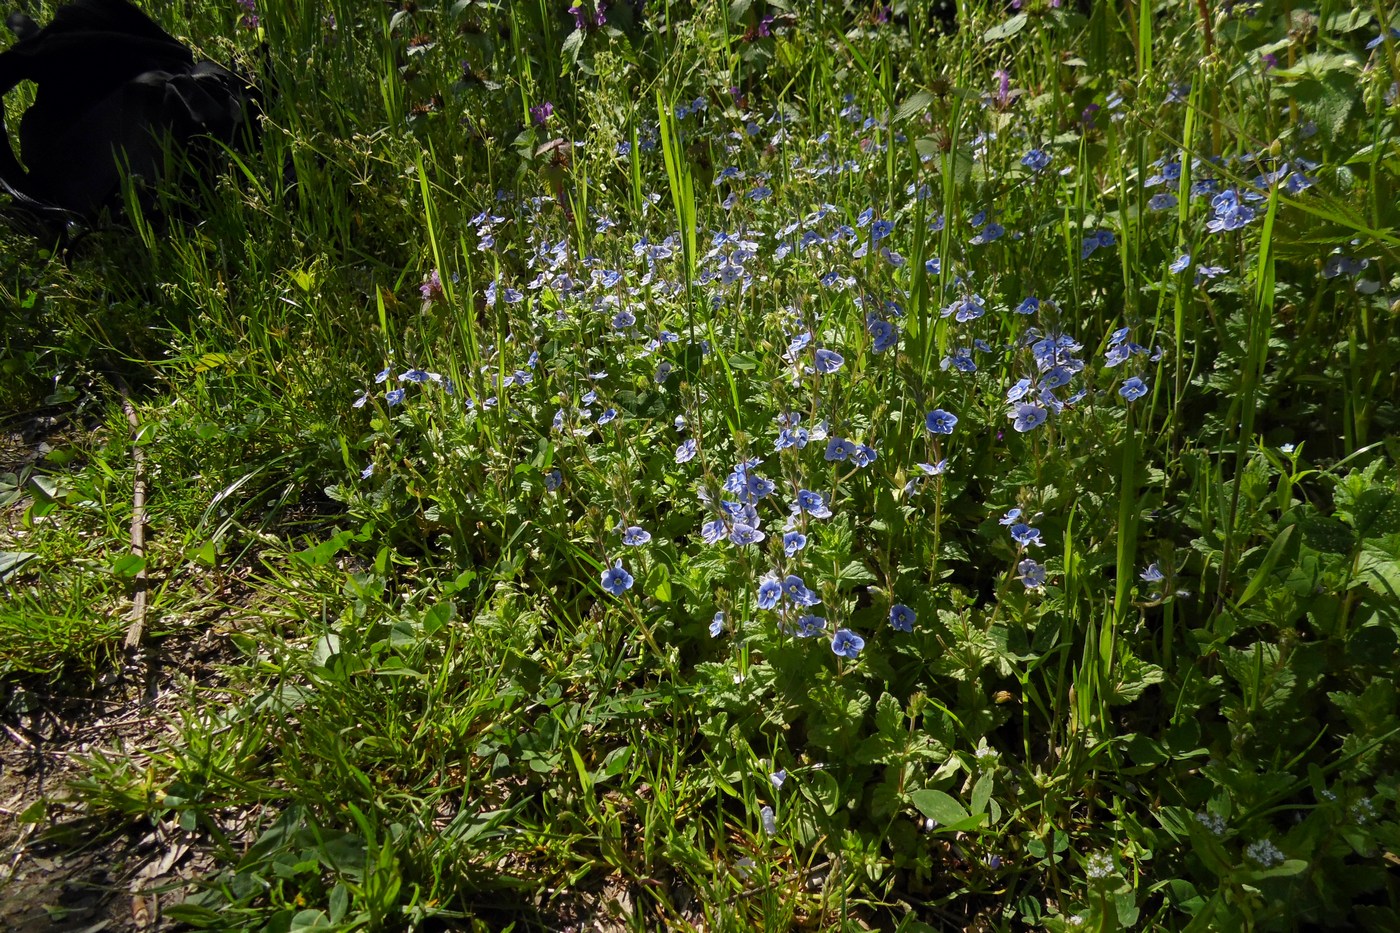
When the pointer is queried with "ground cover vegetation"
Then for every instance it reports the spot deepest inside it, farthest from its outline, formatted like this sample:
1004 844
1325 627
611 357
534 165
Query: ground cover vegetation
817 465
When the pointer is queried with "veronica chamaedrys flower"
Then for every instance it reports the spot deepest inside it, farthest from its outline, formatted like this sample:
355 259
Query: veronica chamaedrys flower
1037 160
553 480
901 618
777 778
813 503
828 361
616 580
797 593
394 396
939 421
1031 574
1025 536
847 644
686 451
793 541
635 536
809 625
1027 417
607 416
769 592
838 448
1153 574
1133 389
717 624
744 534
1030 305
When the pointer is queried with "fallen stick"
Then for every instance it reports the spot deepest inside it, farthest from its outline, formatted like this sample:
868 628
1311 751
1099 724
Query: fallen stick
138 521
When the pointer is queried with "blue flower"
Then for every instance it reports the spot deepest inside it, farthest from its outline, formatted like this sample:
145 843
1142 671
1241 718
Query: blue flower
717 625
880 229
1030 306
1024 535
607 416
616 580
883 335
1010 517
838 448
813 503
797 592
1153 574
828 361
809 625
1030 573
1028 417
686 451
901 618
769 592
745 534
635 536
553 480
1133 389
939 421
367 472
846 643
416 376
623 320
394 396
1037 160
793 541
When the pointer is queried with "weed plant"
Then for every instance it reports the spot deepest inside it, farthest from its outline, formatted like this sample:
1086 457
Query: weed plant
810 464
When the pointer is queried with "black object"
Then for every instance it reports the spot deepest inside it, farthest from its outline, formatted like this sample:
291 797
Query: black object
115 91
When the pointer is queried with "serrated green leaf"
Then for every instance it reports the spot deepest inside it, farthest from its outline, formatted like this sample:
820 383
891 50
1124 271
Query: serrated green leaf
914 106
1006 29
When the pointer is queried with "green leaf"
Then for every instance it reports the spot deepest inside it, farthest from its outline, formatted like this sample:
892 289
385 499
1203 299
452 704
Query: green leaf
937 805
437 617
309 919
821 788
128 566
982 792
1007 29
914 106
320 554
12 561
659 583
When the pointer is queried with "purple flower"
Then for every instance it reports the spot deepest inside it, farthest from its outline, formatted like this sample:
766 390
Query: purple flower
542 113
432 288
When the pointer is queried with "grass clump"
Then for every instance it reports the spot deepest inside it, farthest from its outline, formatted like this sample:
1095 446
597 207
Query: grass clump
803 467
